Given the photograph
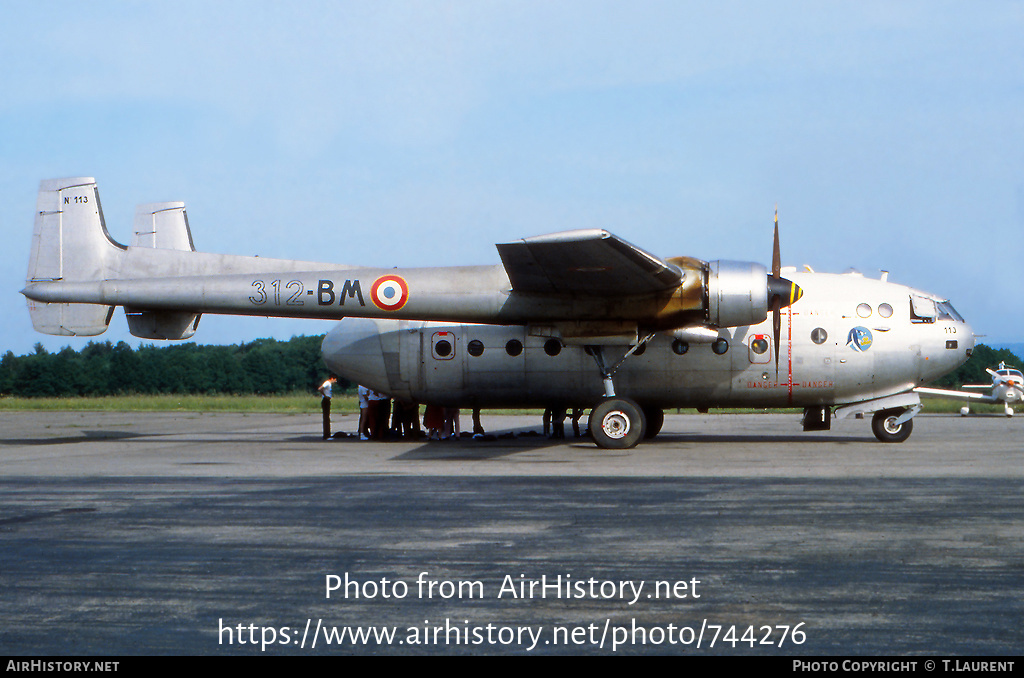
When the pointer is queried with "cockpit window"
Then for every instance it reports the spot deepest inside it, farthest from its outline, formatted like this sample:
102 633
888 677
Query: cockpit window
922 310
947 312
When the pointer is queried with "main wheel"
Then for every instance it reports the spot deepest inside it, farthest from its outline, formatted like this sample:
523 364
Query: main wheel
655 418
617 423
885 428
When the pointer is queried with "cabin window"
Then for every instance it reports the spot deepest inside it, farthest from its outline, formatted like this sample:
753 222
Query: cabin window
552 347
514 347
475 348
864 310
720 346
759 345
680 347
442 345
885 310
819 335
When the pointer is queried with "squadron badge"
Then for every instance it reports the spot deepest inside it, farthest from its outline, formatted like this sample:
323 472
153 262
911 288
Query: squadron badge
859 339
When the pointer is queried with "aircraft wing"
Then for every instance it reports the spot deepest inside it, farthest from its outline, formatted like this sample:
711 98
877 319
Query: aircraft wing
956 395
586 262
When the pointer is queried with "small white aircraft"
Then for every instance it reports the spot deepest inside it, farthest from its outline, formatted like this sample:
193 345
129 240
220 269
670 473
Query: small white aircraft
1007 387
580 319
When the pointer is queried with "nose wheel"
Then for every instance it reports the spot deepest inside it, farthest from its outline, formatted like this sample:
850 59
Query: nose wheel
887 427
617 423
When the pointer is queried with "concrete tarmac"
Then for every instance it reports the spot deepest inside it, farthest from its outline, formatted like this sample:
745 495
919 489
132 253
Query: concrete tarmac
179 533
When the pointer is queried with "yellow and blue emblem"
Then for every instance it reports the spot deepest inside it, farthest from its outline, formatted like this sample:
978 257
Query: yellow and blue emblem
859 339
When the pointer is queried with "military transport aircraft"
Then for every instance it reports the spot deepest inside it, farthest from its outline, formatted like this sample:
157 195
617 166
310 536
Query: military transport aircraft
575 319
1007 387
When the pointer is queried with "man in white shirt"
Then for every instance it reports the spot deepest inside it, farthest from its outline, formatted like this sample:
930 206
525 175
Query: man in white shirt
364 404
325 403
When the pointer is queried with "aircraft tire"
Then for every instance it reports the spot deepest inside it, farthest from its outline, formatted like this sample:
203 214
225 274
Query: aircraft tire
655 418
617 424
886 430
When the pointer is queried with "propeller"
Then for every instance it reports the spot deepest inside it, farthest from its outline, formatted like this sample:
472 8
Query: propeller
781 292
1000 380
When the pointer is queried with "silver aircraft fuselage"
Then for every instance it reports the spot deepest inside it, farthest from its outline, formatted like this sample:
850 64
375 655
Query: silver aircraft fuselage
849 339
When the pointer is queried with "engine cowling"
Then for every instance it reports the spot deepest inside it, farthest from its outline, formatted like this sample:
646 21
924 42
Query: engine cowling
737 293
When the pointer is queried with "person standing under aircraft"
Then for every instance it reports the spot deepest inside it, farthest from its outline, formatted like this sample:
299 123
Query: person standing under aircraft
377 411
577 412
452 430
325 403
478 428
557 423
406 420
433 421
364 403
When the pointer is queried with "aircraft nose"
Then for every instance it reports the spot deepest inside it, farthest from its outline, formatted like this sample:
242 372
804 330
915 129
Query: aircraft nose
969 338
353 350
965 340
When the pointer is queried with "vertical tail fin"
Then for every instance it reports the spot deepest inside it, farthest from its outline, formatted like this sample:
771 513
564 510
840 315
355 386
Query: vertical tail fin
70 242
162 225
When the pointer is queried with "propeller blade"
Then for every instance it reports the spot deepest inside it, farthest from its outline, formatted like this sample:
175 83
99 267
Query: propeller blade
776 255
781 292
776 328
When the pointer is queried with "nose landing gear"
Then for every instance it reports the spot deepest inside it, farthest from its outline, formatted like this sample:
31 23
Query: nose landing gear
888 428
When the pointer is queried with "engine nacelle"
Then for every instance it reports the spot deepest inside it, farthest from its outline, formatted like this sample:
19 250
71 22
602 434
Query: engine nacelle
737 293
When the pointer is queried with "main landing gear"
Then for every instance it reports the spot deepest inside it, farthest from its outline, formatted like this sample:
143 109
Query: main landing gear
620 423
617 423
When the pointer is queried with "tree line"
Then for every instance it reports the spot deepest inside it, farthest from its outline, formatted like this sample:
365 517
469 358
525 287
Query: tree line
263 366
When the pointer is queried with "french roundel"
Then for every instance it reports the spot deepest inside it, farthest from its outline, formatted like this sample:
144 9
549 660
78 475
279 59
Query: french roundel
389 292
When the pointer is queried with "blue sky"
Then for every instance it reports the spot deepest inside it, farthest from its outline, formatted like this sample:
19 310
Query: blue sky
891 135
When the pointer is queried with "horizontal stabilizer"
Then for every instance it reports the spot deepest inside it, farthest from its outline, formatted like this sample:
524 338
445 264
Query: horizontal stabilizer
162 324
70 320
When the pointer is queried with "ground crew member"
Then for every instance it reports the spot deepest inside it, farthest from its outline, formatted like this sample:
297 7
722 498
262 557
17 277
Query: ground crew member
325 403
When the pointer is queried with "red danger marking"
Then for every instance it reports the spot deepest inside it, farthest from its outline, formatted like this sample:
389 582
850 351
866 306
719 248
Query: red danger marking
389 292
